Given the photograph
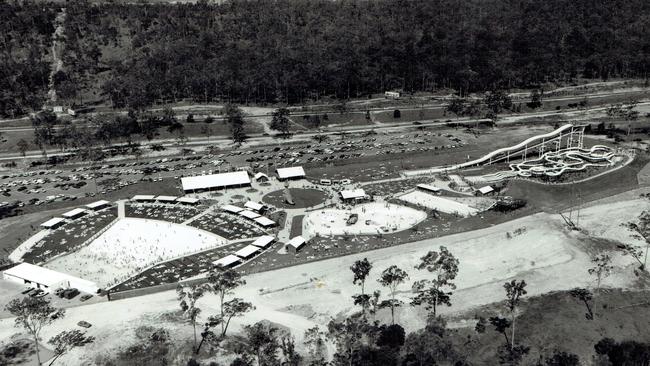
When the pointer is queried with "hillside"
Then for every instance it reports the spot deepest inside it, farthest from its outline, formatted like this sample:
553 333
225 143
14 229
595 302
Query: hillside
129 55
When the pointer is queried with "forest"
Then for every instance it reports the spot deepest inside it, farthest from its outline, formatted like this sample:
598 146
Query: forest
289 52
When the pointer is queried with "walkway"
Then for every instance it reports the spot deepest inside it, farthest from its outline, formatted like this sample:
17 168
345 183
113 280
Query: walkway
121 210
207 211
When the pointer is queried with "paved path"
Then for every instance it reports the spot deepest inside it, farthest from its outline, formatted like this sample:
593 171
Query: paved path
121 210
207 211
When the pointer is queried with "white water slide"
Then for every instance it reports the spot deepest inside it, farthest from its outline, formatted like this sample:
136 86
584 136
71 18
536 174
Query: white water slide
553 137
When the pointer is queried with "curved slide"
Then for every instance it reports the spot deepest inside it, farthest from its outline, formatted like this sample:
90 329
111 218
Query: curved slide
494 154
554 163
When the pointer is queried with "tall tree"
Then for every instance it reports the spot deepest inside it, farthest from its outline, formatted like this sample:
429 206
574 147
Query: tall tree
222 283
360 270
314 340
22 146
501 325
456 106
33 314
263 341
280 121
235 119
188 297
602 269
641 231
496 102
432 292
67 340
392 277
231 309
514 291
585 296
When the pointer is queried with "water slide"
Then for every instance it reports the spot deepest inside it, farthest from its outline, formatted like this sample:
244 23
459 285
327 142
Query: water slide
534 141
554 163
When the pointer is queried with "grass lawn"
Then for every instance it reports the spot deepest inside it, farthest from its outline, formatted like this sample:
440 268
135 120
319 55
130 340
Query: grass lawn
296 225
15 230
551 198
302 198
556 321
413 115
333 119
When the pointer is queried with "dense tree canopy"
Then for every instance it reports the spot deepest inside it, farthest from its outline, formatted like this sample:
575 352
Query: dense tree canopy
292 51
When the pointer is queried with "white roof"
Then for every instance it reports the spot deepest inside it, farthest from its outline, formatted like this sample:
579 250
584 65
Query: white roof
486 189
231 208
264 221
263 241
74 213
143 197
353 193
249 214
253 205
297 242
429 187
227 261
191 200
292 172
49 277
260 175
247 251
166 198
97 204
215 180
52 222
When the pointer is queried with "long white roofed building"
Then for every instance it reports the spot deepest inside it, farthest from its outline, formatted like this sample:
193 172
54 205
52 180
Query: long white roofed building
215 181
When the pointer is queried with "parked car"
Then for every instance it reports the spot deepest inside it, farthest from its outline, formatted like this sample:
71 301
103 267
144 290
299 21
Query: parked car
84 324
70 293
36 292
85 297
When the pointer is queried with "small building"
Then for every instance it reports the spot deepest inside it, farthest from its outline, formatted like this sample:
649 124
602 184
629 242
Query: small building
46 279
216 181
144 198
188 200
294 245
231 209
73 214
53 223
57 109
264 222
248 214
254 206
98 205
296 172
248 252
228 261
261 177
392 94
166 199
429 188
264 241
484 191
353 195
